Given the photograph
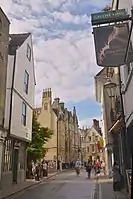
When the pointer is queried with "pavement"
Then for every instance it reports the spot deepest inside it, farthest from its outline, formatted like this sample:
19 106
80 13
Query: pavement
105 190
20 187
65 185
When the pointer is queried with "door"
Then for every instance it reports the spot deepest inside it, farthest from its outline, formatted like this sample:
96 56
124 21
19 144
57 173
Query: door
15 165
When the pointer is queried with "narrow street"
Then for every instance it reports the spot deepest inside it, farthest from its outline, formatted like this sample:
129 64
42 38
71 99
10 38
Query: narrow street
64 186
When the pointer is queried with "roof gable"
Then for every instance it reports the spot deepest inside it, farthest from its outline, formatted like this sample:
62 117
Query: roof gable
16 40
98 132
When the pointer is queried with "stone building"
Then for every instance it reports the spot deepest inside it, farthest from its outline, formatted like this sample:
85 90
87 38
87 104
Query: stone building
64 125
19 105
91 138
4 41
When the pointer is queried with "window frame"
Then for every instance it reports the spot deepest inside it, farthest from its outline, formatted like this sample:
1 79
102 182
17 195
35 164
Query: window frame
28 53
24 115
26 82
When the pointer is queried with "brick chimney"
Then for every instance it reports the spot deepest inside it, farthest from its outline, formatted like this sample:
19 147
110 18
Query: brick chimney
62 105
96 124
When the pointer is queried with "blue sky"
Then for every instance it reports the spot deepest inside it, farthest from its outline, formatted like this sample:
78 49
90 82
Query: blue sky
63 49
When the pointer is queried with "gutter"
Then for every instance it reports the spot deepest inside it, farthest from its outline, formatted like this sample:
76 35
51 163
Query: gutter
11 95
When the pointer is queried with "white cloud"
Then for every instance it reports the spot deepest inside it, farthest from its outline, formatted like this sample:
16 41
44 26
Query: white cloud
63 44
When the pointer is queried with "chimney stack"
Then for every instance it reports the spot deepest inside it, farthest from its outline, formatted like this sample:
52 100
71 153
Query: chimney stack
62 105
47 93
96 124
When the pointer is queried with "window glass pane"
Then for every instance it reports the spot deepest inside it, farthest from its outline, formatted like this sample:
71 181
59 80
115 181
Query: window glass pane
28 52
26 77
26 81
24 109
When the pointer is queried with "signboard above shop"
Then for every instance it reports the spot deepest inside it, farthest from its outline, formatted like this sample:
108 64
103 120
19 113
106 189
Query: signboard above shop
111 44
109 17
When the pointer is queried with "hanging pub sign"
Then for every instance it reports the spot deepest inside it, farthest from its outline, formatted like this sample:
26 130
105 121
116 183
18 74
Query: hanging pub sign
109 16
111 43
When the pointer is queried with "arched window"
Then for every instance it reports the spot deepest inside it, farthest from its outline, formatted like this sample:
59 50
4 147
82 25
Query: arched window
46 106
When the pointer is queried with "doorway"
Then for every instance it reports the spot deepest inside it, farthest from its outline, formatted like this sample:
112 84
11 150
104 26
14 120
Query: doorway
15 165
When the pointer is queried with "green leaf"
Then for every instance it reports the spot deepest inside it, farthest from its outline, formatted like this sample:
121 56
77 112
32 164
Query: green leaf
40 136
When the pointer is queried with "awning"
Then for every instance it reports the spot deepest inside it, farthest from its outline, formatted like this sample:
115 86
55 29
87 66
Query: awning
116 126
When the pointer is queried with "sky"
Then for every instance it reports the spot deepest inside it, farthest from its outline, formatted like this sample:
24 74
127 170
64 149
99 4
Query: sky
63 49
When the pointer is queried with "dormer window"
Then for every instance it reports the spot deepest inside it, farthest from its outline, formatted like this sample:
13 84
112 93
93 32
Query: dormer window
28 54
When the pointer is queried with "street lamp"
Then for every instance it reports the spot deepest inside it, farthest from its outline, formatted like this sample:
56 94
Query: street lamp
110 87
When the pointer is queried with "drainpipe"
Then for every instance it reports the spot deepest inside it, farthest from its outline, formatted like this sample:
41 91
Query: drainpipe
11 95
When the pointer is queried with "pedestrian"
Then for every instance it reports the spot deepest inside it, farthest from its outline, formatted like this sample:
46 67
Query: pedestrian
37 176
44 169
33 169
88 168
116 177
78 166
103 167
97 167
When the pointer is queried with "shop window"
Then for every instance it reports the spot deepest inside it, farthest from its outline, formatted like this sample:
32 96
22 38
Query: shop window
7 159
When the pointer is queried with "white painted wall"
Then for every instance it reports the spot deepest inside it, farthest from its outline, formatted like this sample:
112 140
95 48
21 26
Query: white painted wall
128 97
22 64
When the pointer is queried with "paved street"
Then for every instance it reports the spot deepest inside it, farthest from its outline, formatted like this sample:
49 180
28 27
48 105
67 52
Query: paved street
64 186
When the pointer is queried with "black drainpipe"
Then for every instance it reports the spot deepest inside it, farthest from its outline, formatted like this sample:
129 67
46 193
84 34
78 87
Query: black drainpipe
11 96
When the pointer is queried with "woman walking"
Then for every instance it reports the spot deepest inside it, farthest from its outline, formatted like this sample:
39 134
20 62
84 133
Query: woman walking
88 168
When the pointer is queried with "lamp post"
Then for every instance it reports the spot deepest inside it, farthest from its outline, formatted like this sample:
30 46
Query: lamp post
111 89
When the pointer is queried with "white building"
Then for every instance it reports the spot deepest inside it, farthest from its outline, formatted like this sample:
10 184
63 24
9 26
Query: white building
103 98
127 79
19 107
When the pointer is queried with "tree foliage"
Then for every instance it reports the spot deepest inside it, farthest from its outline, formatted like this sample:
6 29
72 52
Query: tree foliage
40 136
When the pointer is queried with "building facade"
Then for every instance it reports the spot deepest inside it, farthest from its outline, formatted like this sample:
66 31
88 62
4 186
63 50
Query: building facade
20 92
127 80
4 40
63 123
111 114
91 142
47 117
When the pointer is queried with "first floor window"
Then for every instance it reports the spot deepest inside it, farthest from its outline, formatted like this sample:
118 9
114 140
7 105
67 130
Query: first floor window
24 110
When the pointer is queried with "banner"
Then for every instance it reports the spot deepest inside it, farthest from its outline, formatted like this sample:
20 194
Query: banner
111 44
100 144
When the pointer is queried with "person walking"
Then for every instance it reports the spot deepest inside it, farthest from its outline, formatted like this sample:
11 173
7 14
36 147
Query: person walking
89 168
78 166
116 177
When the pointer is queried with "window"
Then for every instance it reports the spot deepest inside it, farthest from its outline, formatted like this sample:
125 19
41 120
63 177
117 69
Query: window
7 159
26 82
24 114
88 149
93 148
28 52
96 138
45 106
89 138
